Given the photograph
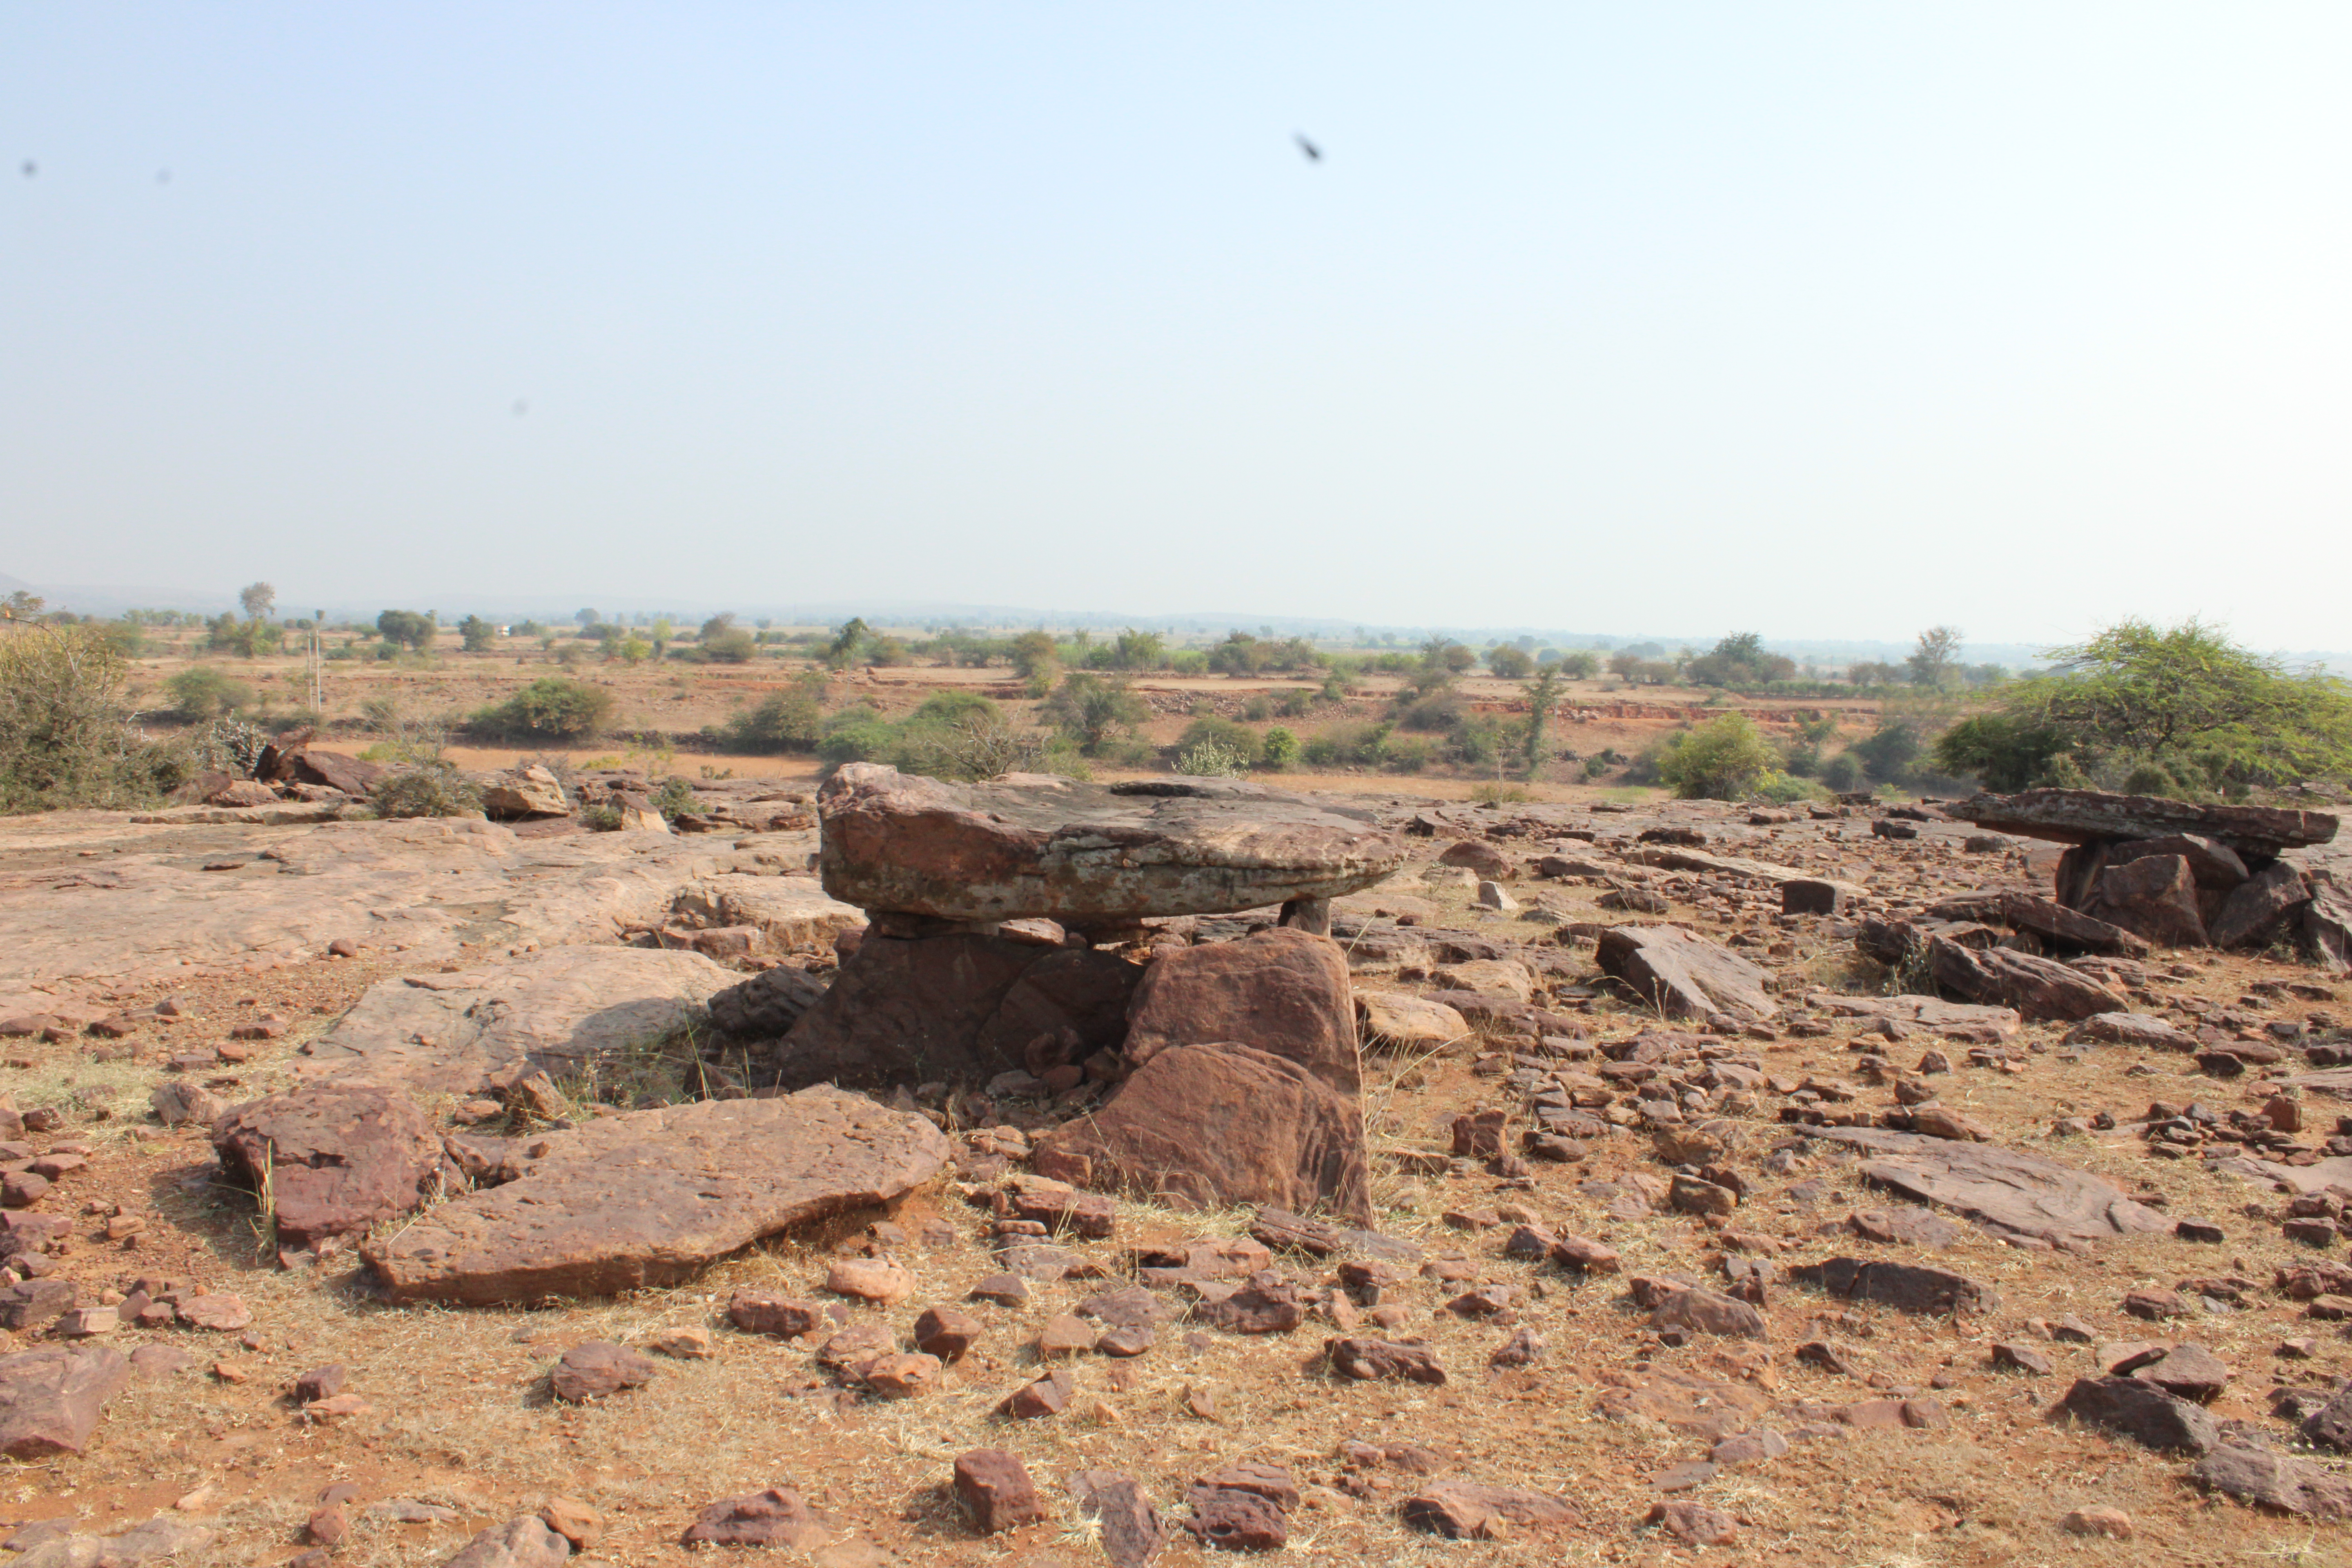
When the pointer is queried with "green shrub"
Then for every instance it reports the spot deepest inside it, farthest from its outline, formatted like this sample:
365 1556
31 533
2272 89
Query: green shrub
476 635
1209 758
792 720
1442 711
857 734
1404 755
430 789
1258 708
1510 662
551 707
729 645
604 818
1278 749
1724 759
1843 774
1192 661
2149 778
675 795
66 738
201 692
1093 709
1239 740
1594 766
1354 745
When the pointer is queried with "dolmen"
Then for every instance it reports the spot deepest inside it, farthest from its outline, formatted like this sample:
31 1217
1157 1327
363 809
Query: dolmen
1007 921
2175 873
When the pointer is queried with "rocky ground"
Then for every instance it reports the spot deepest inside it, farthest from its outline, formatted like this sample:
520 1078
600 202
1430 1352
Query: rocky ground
1852 1280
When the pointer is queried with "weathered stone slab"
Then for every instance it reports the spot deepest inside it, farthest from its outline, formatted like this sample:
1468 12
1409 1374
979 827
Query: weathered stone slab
2000 1188
146 912
2154 897
2038 987
557 1011
1684 976
2042 917
2092 816
1030 846
1211 1125
650 1197
1674 858
1927 1012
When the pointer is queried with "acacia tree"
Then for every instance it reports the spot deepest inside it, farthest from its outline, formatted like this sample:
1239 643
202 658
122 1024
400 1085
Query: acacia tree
258 599
2139 700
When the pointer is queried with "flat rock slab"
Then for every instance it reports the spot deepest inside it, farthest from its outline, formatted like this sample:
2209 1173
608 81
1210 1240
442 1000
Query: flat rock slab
651 1197
1999 1188
1685 976
146 911
557 1011
1673 857
2092 816
1927 1012
2317 1177
1029 846
2282 1482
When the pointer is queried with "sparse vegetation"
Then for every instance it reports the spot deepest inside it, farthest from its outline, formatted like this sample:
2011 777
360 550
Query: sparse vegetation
553 708
66 736
1724 759
201 692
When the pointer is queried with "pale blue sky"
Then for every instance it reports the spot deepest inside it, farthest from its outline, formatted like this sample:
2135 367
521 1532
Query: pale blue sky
1822 319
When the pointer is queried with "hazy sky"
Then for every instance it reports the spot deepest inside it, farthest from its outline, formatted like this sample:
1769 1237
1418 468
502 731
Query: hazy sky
1827 319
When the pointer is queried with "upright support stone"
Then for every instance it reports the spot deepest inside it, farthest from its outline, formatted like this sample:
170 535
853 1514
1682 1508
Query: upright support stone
1310 914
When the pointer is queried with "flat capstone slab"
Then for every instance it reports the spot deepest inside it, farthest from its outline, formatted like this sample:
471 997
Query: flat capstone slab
2094 817
1028 845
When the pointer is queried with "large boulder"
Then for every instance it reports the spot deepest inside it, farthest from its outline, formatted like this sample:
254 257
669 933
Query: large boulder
531 791
1209 1126
962 1005
2091 817
559 1011
334 1158
2154 896
1280 990
1029 846
2259 906
51 1398
649 1197
1685 976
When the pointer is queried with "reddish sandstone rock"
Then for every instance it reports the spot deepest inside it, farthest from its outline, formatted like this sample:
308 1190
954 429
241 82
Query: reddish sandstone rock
335 1157
1281 992
995 1488
50 1399
1207 1126
701 1180
2154 896
1688 977
1029 846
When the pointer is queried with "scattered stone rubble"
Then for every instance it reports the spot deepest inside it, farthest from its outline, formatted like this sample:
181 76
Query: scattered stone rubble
1171 996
